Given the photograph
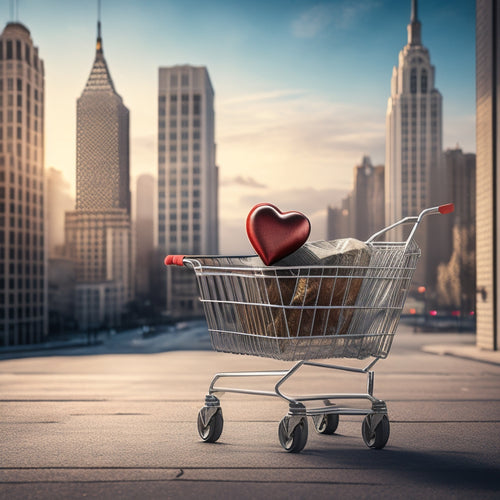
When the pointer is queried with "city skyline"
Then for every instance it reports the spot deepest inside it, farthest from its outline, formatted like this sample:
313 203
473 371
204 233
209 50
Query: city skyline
279 95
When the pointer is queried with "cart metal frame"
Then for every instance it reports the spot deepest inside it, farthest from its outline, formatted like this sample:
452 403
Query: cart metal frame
293 428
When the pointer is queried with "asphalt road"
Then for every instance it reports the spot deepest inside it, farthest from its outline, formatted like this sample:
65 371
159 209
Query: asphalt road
118 420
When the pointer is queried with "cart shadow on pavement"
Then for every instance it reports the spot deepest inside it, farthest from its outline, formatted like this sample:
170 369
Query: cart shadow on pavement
439 467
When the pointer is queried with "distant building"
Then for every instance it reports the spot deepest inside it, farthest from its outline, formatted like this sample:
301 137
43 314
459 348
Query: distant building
340 221
61 295
488 168
369 199
413 173
59 201
98 232
144 234
456 277
187 177
23 252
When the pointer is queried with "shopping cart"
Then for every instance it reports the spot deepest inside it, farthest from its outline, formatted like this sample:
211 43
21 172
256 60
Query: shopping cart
250 310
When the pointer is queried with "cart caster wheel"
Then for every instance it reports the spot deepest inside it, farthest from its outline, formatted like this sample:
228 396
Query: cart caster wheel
326 424
375 438
212 430
293 439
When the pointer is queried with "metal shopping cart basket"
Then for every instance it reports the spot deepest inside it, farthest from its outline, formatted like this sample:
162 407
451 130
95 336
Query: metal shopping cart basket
254 310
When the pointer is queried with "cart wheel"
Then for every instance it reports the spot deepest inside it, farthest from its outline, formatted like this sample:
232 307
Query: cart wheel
295 441
326 424
378 437
212 431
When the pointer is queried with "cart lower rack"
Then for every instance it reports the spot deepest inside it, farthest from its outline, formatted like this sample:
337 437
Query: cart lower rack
305 313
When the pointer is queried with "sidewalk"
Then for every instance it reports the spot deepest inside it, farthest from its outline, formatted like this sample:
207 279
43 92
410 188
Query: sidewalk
124 426
464 351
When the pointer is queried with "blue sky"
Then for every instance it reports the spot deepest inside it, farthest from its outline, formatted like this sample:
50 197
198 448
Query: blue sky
301 86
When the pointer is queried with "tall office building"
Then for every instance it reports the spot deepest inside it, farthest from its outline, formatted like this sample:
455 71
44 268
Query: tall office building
98 232
187 177
23 257
487 168
456 278
368 199
413 142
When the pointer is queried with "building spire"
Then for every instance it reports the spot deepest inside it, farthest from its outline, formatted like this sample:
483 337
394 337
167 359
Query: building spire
414 11
414 26
99 39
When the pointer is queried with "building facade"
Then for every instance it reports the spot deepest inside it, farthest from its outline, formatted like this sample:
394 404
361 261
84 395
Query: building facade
369 199
23 255
488 178
187 177
414 146
456 288
144 235
98 233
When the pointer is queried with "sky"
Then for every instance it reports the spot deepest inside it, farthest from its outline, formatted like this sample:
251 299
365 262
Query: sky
301 86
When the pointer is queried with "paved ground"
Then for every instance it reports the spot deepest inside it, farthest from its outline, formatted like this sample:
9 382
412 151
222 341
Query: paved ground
85 422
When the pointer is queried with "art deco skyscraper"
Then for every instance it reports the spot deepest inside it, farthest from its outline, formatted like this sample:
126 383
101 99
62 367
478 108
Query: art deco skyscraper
23 288
187 176
98 232
413 129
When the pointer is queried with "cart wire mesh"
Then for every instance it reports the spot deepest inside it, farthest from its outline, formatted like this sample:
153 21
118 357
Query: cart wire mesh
301 313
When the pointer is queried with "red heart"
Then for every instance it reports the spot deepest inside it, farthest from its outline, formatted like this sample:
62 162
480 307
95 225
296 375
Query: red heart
275 234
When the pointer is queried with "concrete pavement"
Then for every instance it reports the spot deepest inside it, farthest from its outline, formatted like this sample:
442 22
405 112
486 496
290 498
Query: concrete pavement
93 424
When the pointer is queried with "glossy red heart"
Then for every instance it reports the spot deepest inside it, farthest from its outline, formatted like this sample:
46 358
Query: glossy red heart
275 234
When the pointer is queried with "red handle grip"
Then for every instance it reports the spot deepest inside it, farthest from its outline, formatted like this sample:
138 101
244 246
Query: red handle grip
174 260
447 209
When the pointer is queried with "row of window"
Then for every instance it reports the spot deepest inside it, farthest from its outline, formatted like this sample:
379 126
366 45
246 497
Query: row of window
184 123
22 238
30 182
31 255
27 283
21 223
18 84
30 169
13 49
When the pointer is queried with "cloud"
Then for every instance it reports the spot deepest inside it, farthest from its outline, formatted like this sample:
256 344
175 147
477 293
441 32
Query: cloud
239 180
300 141
321 16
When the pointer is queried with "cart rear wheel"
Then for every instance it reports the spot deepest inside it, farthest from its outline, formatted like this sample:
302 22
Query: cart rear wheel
295 440
326 424
213 429
375 438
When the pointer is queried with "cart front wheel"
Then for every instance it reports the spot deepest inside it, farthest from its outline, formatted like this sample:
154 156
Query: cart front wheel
293 440
213 428
375 437
326 424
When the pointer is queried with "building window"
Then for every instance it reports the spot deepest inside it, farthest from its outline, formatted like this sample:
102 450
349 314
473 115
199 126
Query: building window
423 83
413 81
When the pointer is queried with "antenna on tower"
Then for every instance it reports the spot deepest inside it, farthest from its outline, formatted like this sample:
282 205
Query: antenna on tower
99 39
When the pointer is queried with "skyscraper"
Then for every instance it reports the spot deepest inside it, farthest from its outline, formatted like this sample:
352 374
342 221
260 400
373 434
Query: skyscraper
187 176
23 284
368 199
413 142
413 129
98 232
487 168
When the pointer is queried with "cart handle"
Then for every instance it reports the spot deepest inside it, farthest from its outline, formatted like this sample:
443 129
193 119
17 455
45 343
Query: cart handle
441 209
174 260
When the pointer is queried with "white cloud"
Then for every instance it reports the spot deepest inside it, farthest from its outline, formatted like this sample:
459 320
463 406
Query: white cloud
321 16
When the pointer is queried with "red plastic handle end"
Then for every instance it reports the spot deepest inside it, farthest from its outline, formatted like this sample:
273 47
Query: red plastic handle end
174 260
447 209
